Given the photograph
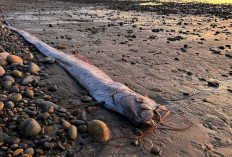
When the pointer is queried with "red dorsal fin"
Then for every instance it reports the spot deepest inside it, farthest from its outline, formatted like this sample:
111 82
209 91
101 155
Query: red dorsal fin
146 95
83 58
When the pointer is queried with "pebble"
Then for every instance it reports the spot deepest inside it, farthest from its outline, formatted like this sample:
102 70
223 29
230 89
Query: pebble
2 71
14 146
28 56
29 79
52 88
61 47
29 151
6 84
16 73
43 116
9 104
4 55
29 93
33 69
12 140
83 128
8 78
1 105
39 151
82 116
14 59
99 130
77 122
86 99
48 145
213 84
72 132
18 152
91 109
65 124
76 112
30 127
3 62
1 49
156 150
16 97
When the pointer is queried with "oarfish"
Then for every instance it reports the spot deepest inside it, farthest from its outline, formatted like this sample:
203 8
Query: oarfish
116 96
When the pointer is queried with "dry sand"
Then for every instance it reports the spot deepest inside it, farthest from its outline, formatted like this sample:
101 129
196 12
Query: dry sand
133 48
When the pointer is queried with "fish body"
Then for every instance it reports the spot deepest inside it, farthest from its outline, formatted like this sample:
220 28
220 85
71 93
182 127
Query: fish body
116 96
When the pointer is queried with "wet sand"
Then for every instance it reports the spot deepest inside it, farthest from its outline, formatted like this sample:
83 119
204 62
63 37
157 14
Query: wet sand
181 60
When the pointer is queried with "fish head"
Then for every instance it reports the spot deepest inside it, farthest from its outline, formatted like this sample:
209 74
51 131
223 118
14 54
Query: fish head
140 110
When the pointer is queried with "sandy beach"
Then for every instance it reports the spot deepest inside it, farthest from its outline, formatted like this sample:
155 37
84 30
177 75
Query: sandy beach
180 55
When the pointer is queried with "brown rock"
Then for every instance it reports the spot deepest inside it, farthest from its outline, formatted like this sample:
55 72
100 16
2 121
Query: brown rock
4 55
17 73
1 105
14 59
3 62
61 47
30 127
72 132
2 71
99 130
28 56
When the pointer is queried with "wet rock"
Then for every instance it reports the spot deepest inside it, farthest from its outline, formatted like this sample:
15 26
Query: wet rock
4 55
28 56
12 140
82 116
17 152
43 116
48 145
77 122
61 47
83 128
8 78
99 130
156 150
29 151
29 79
72 132
9 104
52 88
14 59
33 69
91 109
2 71
29 93
39 151
15 97
45 104
65 124
76 112
30 127
1 105
213 83
86 99
3 62
1 49
16 73
14 146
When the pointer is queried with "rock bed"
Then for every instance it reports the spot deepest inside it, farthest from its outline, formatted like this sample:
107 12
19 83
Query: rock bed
31 122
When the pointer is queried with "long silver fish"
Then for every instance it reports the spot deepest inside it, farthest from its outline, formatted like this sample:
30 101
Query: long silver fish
115 95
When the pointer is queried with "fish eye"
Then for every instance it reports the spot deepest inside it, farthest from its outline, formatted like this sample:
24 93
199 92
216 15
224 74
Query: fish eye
140 100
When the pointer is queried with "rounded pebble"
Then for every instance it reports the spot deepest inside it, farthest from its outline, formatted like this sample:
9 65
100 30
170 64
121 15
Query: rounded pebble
29 151
1 105
99 130
30 127
156 150
86 99
16 97
72 132
14 59
2 71
33 68
65 124
17 152
16 73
